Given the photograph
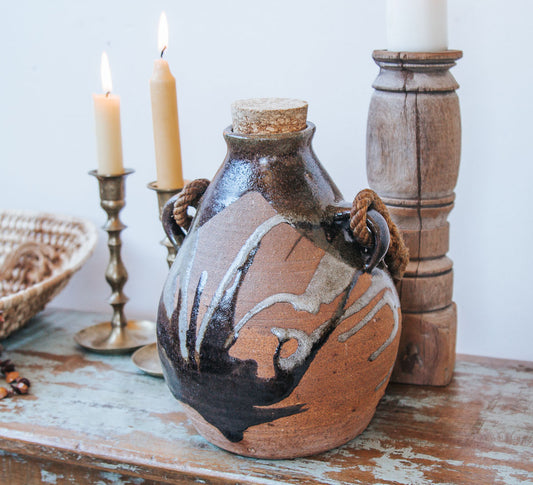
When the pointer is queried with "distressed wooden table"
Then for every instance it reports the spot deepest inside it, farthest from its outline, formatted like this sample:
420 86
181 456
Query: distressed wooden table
93 419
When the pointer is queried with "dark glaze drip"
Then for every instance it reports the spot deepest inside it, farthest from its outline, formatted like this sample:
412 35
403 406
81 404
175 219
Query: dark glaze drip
227 391
286 172
282 168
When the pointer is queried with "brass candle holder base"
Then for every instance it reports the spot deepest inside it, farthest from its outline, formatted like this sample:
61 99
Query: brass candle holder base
108 339
147 357
117 335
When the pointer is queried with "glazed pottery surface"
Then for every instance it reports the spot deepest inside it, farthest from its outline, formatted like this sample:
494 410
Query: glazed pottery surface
276 330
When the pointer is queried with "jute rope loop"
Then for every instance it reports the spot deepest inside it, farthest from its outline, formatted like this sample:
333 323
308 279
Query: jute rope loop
397 256
188 197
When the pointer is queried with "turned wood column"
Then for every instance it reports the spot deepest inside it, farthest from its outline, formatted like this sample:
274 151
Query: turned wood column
413 152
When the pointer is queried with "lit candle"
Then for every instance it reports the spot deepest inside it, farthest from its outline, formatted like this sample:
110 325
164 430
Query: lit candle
165 118
417 25
107 119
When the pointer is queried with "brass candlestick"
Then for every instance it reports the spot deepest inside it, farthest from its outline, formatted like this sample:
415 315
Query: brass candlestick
163 196
118 335
147 358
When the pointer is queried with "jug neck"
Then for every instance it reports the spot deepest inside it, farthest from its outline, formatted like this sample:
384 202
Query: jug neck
256 147
282 168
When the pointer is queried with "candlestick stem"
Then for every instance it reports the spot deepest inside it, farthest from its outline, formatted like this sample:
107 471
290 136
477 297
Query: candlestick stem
163 196
147 357
119 335
116 274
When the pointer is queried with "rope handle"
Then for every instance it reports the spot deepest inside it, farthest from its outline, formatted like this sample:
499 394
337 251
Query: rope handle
176 218
174 215
397 255
189 197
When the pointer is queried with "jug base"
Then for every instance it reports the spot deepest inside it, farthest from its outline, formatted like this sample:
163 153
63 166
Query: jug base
285 442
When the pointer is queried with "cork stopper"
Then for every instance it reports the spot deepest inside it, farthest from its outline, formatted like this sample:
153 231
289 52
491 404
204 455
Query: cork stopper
267 116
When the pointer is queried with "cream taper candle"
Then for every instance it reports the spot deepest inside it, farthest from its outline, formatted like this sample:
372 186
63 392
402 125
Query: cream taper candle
417 25
165 118
107 121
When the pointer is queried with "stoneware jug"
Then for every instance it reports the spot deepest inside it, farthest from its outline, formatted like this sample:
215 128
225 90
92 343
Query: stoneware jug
276 330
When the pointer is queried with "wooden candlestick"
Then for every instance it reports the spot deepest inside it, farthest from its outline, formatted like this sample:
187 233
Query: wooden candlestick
413 152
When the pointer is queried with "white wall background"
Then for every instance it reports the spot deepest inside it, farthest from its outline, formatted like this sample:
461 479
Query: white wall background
224 50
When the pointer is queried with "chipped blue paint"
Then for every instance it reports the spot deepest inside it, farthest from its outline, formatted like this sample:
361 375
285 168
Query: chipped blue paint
106 411
50 478
114 479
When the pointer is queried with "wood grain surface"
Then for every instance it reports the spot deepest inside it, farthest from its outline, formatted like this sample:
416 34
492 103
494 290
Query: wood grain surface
96 419
413 154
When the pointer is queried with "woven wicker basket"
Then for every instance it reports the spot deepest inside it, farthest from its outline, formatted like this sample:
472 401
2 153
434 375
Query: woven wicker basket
72 239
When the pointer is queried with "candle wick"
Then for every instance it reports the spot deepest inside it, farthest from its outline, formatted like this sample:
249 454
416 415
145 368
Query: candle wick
163 51
107 94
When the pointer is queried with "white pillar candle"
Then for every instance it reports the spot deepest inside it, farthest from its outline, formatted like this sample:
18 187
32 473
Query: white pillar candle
165 118
107 121
417 25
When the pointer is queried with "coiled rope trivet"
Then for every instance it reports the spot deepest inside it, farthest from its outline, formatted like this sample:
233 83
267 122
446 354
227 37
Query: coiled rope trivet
28 264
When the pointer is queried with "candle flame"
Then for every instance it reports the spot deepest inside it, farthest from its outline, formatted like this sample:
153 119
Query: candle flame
105 72
162 33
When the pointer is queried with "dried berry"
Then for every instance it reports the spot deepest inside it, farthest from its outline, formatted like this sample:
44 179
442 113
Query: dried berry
12 376
24 380
6 366
20 387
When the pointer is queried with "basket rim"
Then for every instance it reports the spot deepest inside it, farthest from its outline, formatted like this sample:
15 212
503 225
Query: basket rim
77 259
